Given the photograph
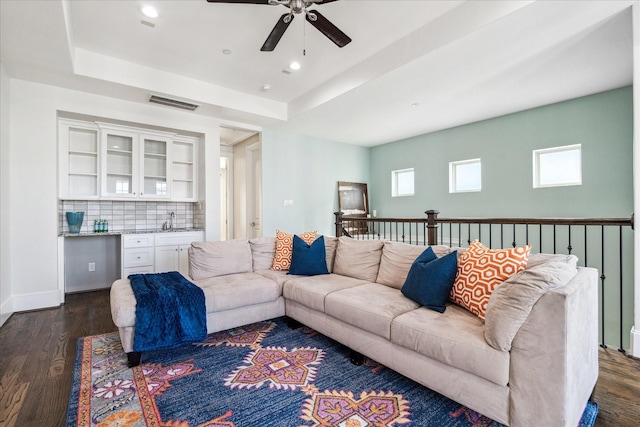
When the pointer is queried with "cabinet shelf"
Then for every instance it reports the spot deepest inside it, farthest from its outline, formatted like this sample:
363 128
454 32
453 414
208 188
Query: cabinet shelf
182 180
122 152
155 177
119 174
83 153
155 155
82 174
180 162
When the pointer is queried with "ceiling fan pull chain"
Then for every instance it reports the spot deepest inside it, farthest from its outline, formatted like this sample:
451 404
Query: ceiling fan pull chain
304 38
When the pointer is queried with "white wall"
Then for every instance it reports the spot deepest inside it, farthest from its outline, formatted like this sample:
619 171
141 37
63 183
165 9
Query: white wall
32 200
5 256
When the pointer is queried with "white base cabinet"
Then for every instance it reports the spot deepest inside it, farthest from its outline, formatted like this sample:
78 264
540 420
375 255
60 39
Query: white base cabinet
158 252
172 258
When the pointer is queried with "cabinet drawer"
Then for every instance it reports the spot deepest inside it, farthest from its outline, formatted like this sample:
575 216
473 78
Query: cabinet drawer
138 240
178 238
137 257
137 270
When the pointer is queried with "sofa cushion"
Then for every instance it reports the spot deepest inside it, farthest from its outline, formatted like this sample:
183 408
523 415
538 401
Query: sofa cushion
538 259
312 291
371 307
395 262
211 259
276 275
238 290
512 301
430 279
358 258
284 248
480 270
308 260
454 338
263 250
330 245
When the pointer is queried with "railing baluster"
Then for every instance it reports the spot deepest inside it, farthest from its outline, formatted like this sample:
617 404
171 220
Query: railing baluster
602 279
569 248
620 349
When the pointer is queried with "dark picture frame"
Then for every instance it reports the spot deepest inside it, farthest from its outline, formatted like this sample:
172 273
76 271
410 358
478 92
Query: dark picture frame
353 198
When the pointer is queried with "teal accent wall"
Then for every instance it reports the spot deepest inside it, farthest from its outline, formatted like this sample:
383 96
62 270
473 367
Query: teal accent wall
602 123
306 170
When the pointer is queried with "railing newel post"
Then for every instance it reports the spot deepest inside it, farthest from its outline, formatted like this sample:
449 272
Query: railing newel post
432 226
338 223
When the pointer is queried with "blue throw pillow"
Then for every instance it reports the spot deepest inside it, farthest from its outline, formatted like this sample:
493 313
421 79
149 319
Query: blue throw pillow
430 279
308 260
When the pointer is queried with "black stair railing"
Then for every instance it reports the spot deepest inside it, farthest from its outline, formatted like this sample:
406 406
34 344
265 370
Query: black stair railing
602 243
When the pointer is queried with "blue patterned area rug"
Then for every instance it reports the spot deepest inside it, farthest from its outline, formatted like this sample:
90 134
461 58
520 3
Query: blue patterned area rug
264 374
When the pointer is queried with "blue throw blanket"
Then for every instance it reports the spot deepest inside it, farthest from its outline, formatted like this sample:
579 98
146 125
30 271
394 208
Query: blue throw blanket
170 311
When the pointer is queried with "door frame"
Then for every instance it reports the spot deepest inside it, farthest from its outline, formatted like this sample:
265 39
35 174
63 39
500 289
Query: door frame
250 150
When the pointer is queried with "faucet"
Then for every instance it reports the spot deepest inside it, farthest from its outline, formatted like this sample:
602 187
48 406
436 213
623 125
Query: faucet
168 225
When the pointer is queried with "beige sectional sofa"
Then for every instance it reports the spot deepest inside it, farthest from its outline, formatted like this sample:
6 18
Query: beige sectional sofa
532 362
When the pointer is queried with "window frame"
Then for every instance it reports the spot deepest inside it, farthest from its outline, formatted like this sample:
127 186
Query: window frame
536 165
394 182
453 175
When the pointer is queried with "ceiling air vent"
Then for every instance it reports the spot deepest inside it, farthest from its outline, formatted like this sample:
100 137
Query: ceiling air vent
172 102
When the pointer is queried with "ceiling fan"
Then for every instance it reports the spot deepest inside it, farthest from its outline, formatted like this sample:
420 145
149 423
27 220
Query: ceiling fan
297 6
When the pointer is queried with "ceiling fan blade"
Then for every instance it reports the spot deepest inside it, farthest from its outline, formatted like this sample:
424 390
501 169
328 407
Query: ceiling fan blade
240 1
328 29
277 32
323 1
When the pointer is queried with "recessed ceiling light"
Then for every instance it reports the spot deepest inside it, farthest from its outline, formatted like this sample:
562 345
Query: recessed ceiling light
295 65
149 11
266 87
227 51
415 104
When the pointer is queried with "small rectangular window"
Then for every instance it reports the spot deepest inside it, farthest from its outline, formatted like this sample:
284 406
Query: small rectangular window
465 176
558 166
402 183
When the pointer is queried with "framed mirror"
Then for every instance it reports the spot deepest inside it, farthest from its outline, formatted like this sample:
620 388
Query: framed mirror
353 198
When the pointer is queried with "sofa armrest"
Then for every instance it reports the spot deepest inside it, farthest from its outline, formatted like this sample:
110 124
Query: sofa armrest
554 357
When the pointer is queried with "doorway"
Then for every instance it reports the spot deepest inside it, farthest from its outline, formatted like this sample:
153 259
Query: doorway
240 183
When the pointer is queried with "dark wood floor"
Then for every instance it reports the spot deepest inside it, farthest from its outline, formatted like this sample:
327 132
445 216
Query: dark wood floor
38 349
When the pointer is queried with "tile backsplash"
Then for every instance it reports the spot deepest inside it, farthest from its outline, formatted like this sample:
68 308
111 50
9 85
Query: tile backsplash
127 216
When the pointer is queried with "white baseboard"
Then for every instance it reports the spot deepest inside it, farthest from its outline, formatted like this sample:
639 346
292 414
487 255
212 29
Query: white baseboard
6 310
36 301
635 342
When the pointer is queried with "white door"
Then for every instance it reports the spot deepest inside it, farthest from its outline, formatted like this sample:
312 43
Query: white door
183 260
254 190
167 258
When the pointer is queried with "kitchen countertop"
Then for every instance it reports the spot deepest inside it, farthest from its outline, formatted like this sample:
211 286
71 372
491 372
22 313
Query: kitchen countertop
118 233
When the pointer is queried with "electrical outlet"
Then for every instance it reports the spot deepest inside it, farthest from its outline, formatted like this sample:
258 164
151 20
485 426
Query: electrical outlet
92 266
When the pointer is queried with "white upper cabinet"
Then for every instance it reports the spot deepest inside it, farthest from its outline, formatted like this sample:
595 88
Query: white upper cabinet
78 156
115 162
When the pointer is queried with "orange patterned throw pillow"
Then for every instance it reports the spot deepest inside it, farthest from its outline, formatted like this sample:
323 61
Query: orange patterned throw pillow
480 270
284 247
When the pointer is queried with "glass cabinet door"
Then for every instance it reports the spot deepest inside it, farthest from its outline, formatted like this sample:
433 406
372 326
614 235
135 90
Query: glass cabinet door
119 164
154 170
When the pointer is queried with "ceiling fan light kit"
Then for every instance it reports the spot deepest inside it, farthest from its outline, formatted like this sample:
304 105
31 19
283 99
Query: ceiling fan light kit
296 7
